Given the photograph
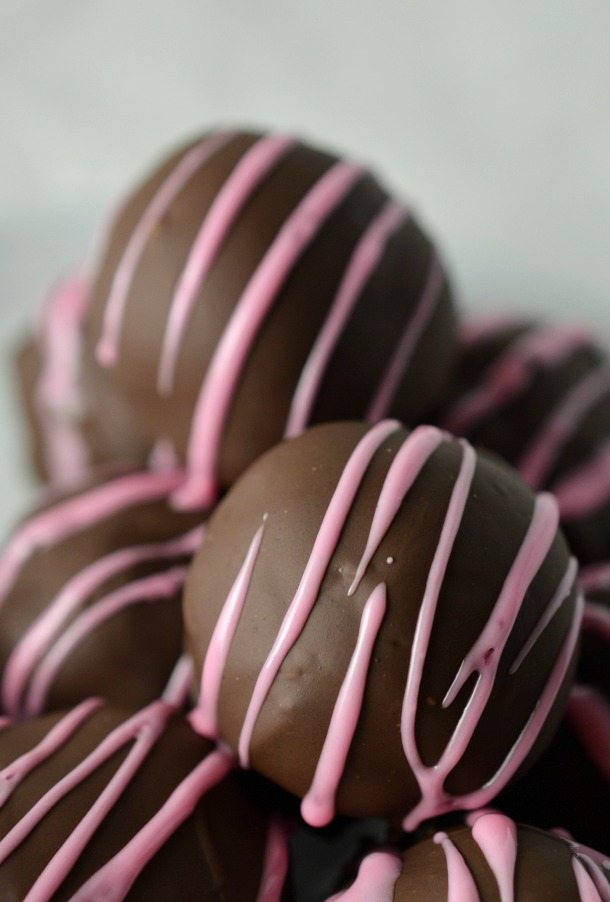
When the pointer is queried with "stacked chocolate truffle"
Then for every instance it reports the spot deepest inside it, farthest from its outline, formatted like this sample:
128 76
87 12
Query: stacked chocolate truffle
264 572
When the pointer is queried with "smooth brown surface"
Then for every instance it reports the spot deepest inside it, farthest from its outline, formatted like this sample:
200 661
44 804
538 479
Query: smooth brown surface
293 485
261 403
215 855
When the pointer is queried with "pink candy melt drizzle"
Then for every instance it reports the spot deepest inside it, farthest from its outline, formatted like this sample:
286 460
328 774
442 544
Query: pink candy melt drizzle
376 880
496 836
583 492
462 887
250 312
275 866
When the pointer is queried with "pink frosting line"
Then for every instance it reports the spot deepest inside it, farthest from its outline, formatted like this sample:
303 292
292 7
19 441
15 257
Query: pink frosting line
185 169
377 877
114 880
561 595
180 682
36 640
318 805
562 424
586 490
275 865
364 260
404 470
147 590
597 620
496 836
587 889
461 885
205 716
512 372
307 592
13 774
589 716
58 390
399 361
247 176
62 520
252 308
595 577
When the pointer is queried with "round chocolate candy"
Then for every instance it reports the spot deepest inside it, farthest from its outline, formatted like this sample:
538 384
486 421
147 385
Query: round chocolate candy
384 622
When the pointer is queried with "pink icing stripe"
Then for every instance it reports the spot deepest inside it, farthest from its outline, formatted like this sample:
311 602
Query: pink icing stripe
589 717
596 620
318 805
511 374
179 685
58 392
583 492
204 718
406 467
53 525
247 176
275 865
496 836
73 596
252 308
185 169
428 779
461 885
365 259
305 598
483 328
399 362
595 577
114 880
13 774
587 889
562 424
377 877
148 590
562 594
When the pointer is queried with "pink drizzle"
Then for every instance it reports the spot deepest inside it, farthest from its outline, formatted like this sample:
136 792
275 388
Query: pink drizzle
462 887
250 312
318 806
376 880
205 717
512 372
58 391
365 259
595 578
275 866
541 455
306 595
37 639
583 492
399 362
192 161
589 717
247 176
68 517
496 836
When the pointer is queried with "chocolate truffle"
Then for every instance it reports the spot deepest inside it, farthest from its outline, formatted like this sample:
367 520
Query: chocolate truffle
101 803
491 860
384 622
90 591
254 284
539 396
73 423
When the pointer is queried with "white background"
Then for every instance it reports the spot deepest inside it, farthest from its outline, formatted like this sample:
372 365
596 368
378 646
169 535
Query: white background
493 117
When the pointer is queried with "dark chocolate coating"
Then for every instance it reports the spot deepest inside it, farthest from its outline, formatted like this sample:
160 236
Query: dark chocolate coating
293 485
509 428
216 854
260 405
107 430
543 869
128 657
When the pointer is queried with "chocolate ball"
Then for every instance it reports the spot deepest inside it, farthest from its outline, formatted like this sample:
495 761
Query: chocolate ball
73 424
90 589
539 395
254 284
384 622
491 859
101 803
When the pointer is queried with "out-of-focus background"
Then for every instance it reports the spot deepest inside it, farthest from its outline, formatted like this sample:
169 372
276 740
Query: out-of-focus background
493 118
